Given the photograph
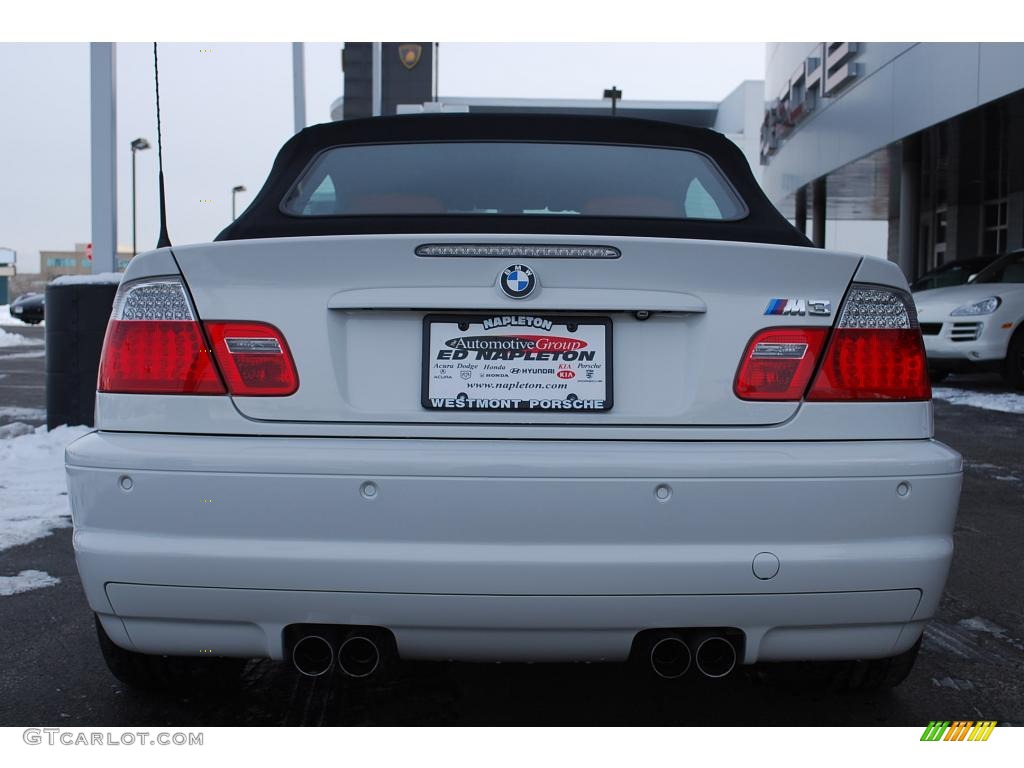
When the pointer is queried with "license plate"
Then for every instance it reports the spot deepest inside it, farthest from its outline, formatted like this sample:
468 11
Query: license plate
517 363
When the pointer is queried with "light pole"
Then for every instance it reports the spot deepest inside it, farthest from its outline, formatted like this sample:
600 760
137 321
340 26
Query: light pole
614 94
235 191
137 146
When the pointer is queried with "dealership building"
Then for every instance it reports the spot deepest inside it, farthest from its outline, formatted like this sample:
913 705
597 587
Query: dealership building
910 151
925 137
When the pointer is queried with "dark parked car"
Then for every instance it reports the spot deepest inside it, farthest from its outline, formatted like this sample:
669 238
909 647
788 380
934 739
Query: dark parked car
29 307
953 273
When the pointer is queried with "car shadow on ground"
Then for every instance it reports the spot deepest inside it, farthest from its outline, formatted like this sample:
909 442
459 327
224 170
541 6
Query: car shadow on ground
422 693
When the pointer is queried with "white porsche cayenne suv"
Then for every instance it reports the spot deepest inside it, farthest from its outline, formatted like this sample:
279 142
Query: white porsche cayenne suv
509 388
978 326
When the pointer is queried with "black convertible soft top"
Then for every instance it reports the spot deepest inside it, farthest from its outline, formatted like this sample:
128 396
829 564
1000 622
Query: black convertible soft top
265 218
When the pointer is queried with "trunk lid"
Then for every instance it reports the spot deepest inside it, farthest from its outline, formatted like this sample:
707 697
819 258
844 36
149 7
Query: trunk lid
352 309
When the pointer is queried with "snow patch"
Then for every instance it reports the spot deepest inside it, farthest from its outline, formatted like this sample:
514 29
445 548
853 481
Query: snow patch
955 684
1006 402
8 339
103 278
15 429
26 581
979 624
17 413
6 318
32 484
23 355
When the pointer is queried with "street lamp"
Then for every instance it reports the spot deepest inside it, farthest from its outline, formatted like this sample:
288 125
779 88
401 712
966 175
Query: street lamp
137 146
614 94
235 191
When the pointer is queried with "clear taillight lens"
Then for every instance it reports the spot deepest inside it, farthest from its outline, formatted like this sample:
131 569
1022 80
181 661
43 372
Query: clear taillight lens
154 345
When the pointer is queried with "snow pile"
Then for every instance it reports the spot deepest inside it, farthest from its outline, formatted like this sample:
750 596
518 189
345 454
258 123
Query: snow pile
24 581
1007 402
7 319
103 278
16 429
8 339
33 492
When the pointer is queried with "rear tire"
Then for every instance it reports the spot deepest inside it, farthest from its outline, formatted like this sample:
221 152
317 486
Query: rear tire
167 673
872 674
1013 370
842 676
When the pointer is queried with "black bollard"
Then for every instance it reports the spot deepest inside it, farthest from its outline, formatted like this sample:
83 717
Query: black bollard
77 311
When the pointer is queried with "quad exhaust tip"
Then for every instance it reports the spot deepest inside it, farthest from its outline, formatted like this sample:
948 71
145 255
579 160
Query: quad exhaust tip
716 657
313 655
670 657
359 656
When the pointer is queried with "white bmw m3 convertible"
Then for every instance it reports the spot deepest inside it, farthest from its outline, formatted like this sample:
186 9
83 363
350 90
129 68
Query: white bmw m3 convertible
508 388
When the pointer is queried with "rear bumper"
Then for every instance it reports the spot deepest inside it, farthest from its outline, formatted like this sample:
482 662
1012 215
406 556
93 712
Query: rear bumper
535 550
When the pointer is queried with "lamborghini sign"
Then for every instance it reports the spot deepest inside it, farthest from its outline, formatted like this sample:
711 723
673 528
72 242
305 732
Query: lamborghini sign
409 54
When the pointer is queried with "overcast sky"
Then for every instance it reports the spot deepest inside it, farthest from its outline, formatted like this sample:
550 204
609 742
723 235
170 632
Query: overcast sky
226 112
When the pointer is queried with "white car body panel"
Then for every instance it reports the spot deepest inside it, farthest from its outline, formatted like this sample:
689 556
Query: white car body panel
467 548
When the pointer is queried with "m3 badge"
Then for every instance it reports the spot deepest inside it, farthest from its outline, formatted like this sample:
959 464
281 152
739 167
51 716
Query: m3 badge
821 307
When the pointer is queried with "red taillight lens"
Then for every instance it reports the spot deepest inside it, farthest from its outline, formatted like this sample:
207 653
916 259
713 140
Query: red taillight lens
778 363
876 351
253 357
154 344
873 364
167 357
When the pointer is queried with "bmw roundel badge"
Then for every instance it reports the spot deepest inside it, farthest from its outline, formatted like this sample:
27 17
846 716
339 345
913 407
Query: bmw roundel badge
518 281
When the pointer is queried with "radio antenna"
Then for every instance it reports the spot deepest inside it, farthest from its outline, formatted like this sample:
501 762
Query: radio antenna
164 240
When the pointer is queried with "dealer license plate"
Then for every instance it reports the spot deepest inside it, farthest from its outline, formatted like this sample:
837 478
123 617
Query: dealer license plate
517 363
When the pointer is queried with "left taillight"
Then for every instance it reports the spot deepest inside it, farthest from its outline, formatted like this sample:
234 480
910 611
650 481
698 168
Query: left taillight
155 345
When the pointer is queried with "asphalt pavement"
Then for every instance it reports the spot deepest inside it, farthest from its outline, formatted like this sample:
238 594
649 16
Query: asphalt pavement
22 384
971 665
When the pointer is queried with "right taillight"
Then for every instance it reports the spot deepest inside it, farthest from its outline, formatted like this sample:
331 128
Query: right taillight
875 351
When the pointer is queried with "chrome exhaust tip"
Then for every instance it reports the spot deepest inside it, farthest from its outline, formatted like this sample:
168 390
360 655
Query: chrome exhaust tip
313 655
359 656
716 657
670 657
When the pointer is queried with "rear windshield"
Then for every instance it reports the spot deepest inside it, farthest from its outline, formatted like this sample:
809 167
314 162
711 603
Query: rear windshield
514 179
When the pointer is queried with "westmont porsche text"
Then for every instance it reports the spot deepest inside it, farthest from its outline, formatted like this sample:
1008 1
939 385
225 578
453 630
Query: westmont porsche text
511 405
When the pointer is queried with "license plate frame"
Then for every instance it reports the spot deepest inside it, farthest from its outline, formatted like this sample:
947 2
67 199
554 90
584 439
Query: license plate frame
518 396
